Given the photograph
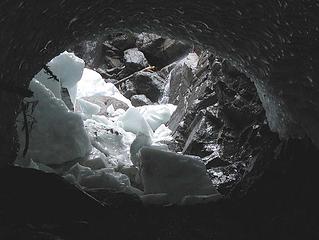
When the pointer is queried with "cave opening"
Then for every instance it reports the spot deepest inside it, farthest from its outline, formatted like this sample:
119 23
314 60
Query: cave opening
89 118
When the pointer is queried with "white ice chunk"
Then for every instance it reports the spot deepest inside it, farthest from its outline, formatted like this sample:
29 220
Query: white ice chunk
133 121
57 135
156 115
68 68
92 84
174 174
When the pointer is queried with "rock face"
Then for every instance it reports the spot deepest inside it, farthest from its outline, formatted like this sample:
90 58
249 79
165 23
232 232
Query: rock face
220 118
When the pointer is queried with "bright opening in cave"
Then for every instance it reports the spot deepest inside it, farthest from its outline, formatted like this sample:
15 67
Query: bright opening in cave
103 121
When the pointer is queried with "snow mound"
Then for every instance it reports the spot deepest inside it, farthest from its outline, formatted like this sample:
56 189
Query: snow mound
57 135
174 174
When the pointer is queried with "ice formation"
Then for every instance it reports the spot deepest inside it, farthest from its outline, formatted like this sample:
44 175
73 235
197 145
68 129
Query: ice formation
56 134
68 68
110 148
176 175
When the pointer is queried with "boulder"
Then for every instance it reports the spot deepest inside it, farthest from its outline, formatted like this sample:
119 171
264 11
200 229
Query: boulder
135 59
149 84
161 51
140 100
174 174
123 41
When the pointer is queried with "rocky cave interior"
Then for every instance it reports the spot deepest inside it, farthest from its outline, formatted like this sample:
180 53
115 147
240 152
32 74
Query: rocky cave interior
254 94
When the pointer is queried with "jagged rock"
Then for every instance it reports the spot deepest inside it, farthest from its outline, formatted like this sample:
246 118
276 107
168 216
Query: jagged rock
140 100
149 84
160 51
220 118
124 41
135 59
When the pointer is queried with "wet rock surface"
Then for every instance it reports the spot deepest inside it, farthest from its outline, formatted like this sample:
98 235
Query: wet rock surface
221 119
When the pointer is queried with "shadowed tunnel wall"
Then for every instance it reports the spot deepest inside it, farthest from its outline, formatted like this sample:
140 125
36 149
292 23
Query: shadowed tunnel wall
274 42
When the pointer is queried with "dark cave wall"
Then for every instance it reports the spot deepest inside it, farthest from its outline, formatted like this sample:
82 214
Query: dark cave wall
274 42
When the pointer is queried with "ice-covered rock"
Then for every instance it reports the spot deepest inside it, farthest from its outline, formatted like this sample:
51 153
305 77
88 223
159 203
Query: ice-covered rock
56 134
174 174
156 115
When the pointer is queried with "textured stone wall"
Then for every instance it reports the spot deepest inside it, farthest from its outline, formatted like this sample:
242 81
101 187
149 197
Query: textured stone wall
274 42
